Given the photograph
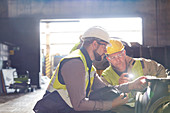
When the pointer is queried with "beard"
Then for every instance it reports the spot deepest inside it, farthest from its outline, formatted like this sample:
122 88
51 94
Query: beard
97 56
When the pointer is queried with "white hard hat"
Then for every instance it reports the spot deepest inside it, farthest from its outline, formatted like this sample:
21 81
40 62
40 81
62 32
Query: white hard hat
97 32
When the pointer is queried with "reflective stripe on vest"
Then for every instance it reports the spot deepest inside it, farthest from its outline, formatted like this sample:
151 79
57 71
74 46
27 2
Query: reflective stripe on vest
55 85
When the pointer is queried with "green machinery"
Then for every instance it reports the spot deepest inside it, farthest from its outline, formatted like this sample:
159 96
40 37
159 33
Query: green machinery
156 99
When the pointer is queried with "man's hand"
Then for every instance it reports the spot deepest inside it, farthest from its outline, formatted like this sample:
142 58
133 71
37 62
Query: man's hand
121 100
138 84
124 78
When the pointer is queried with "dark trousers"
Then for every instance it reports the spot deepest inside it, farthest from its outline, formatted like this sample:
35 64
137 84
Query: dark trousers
53 103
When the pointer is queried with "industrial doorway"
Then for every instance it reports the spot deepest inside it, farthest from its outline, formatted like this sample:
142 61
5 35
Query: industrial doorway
58 36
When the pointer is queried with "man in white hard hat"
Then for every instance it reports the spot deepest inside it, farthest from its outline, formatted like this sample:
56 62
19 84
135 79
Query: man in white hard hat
75 78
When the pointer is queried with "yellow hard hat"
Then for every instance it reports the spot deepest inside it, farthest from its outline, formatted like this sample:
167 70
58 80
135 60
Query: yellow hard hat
115 47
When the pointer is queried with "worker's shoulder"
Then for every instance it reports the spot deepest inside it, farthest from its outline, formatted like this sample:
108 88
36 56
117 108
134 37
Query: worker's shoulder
142 59
72 61
144 62
72 64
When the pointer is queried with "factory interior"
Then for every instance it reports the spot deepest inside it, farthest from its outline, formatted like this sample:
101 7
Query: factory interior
36 34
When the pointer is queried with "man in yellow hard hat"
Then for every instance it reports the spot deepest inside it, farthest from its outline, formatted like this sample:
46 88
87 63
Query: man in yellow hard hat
123 68
120 63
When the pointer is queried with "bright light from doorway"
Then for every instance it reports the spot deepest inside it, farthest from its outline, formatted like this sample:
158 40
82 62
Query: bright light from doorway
65 33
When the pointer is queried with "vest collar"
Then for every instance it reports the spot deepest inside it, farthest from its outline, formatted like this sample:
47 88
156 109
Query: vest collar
87 57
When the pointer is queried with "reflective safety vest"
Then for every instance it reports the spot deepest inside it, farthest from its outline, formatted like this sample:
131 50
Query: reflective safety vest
56 85
113 78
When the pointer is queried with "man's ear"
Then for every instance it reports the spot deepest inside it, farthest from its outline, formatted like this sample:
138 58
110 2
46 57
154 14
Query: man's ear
124 51
95 44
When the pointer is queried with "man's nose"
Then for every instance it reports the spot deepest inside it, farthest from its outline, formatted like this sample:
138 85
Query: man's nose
117 58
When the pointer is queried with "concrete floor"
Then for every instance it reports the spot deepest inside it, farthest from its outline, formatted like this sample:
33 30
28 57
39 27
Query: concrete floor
21 103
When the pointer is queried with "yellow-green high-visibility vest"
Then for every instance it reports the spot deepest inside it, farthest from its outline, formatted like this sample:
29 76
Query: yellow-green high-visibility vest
55 84
113 78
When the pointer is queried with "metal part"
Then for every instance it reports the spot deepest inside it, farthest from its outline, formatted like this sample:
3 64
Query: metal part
155 98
